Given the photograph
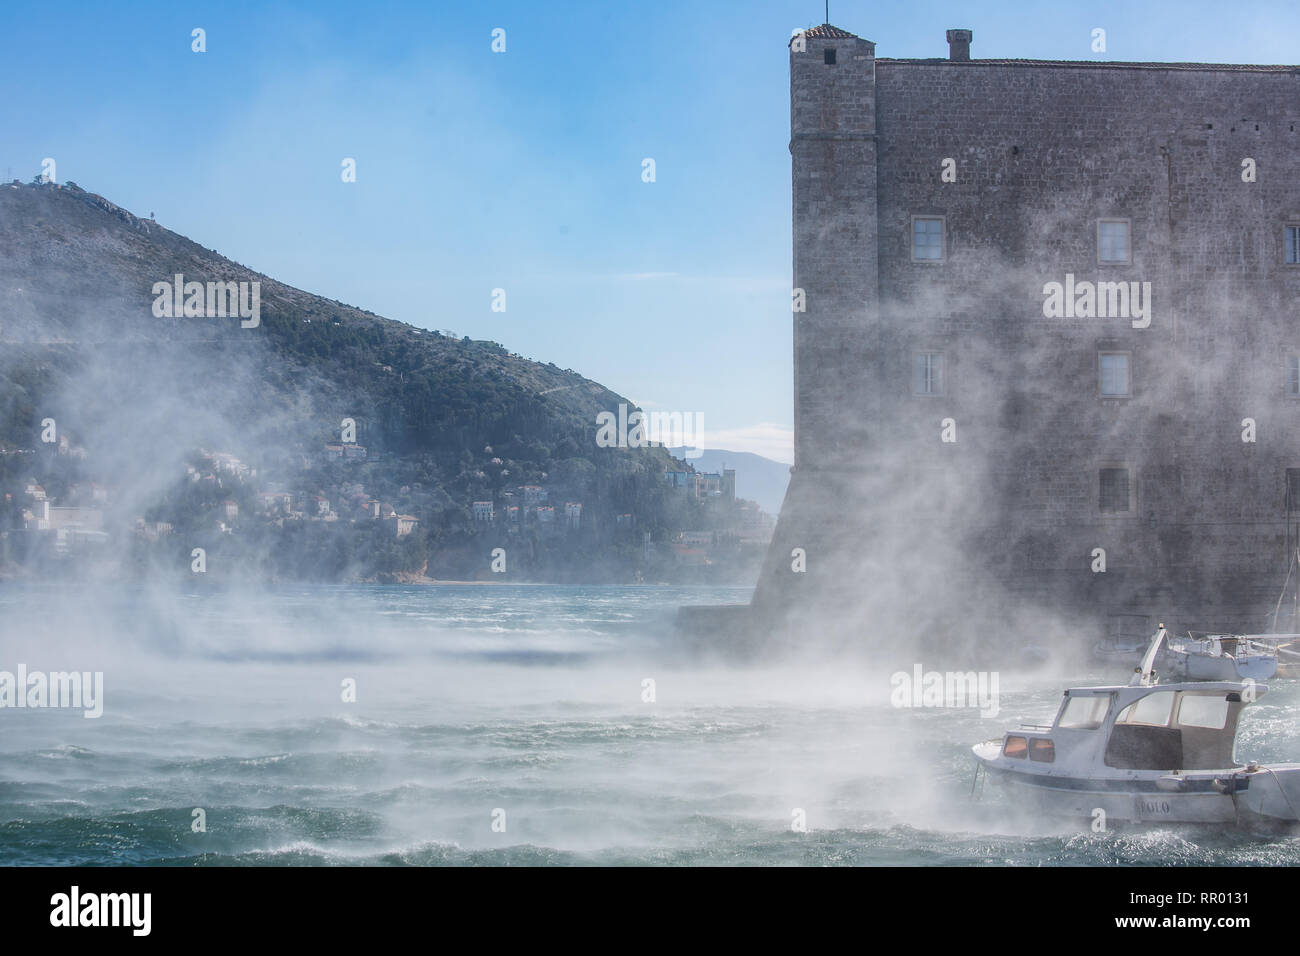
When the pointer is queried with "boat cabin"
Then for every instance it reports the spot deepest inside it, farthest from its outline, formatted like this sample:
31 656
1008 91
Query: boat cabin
1227 646
1185 726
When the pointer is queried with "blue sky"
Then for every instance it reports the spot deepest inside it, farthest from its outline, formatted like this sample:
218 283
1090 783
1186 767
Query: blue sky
519 170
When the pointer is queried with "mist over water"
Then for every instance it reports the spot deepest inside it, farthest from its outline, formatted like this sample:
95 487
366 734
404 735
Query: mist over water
522 698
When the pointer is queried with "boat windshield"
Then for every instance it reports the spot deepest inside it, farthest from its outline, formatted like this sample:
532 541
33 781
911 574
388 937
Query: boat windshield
1084 712
1203 710
1170 730
1208 711
1154 710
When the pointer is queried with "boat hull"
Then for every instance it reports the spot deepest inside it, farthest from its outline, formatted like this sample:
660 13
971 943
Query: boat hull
1123 802
1268 796
1257 667
1273 797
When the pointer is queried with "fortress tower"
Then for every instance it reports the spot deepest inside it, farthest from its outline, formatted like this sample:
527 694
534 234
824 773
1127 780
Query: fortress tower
1048 365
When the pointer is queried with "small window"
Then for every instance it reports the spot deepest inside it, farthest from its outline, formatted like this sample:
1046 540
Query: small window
1293 489
828 56
1015 747
1114 491
1293 245
1293 376
1199 710
1113 369
1153 710
1042 750
927 373
1084 713
1112 240
927 239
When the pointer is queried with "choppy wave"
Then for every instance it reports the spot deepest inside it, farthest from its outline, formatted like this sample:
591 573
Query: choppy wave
509 726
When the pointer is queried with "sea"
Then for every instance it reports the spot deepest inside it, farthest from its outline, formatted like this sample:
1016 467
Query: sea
514 725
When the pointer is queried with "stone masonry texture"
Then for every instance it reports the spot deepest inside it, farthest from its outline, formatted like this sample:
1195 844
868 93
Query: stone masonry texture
904 532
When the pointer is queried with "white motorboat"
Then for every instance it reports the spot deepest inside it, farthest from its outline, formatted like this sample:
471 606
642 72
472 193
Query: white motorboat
1220 657
1146 753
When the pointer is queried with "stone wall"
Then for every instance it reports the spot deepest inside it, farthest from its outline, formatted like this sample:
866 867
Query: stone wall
1007 516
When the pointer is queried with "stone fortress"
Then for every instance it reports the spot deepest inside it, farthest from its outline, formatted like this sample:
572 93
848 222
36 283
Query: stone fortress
1048 359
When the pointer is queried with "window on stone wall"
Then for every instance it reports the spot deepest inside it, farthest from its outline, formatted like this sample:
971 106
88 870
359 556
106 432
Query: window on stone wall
1293 245
1112 368
927 373
1293 489
828 56
927 238
1114 491
1293 376
1113 240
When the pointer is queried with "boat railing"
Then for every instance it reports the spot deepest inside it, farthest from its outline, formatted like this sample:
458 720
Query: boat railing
1254 638
1028 726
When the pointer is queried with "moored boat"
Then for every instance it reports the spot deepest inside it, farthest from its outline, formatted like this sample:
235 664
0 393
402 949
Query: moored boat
1222 657
1287 649
1148 753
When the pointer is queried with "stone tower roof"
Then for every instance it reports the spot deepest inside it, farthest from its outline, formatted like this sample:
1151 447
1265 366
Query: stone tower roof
828 32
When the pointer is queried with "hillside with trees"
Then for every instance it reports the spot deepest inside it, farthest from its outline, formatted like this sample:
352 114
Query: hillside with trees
322 443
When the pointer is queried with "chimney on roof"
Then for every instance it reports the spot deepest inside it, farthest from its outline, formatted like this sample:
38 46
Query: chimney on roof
959 44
